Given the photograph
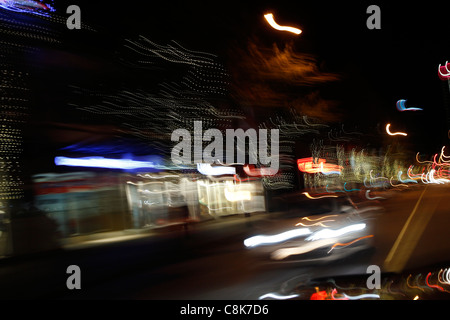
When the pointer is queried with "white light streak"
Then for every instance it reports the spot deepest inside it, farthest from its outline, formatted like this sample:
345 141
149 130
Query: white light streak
208 170
277 296
329 233
277 238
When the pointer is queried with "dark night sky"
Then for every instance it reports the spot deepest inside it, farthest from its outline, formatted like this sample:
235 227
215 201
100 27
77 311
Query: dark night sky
377 67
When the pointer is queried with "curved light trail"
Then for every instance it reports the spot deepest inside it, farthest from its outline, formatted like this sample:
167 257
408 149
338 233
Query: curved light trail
273 24
401 106
394 133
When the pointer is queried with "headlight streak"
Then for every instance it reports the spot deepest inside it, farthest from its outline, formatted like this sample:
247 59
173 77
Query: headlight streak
277 238
438 181
442 156
273 24
347 297
329 233
277 296
283 253
446 280
394 133
362 296
208 170
343 245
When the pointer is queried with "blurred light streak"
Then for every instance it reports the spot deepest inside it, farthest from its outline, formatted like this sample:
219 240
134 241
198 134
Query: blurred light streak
251 171
27 6
417 159
350 189
447 276
322 166
375 178
208 170
391 291
372 198
395 133
319 295
443 72
362 296
442 156
277 238
411 286
273 24
326 188
320 223
397 185
399 178
277 296
412 176
401 106
324 217
319 197
349 243
100 162
149 176
432 179
426 177
234 196
333 292
433 285
416 298
283 253
329 233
